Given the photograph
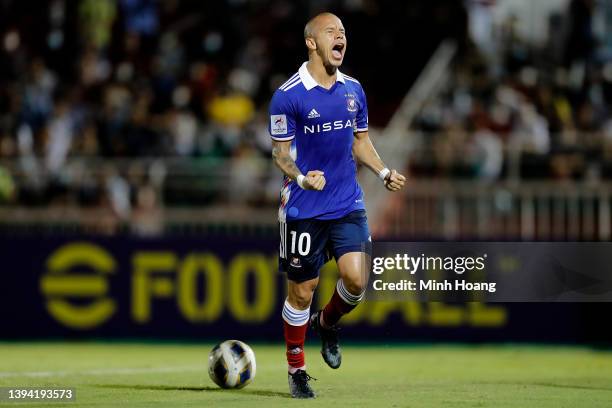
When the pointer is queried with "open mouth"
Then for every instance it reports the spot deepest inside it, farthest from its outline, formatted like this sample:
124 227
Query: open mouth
337 50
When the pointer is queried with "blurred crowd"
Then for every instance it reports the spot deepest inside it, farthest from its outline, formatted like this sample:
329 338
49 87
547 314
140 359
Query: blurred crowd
124 79
88 80
92 91
513 109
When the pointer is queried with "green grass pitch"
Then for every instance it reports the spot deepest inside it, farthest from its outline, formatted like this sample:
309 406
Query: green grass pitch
174 375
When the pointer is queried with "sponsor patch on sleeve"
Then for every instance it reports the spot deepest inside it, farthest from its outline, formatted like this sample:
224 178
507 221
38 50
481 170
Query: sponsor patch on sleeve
278 124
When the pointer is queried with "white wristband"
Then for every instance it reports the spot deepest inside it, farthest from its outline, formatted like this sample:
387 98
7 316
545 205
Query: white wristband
384 173
300 181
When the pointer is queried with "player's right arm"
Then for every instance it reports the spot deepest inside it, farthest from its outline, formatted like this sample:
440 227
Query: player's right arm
281 154
282 131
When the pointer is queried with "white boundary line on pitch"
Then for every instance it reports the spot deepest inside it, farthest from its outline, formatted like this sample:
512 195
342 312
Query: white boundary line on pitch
99 371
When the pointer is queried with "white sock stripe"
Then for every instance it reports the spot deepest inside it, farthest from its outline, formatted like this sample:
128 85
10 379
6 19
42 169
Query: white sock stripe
293 322
347 296
293 310
344 294
294 316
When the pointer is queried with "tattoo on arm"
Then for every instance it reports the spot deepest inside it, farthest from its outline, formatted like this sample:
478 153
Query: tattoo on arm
282 159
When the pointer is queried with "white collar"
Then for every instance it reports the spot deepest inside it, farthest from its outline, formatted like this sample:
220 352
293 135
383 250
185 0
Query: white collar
309 82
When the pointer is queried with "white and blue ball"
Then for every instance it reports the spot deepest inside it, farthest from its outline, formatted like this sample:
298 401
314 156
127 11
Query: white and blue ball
231 364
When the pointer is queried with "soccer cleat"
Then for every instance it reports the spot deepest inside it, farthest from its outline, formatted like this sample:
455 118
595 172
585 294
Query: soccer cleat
298 385
330 350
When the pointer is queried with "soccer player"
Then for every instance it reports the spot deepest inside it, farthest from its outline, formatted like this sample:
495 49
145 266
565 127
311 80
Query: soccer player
319 127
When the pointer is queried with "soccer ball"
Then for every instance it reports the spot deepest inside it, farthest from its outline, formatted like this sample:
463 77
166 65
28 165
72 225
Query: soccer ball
231 364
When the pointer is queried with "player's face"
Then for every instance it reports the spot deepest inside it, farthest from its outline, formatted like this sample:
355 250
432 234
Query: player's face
331 41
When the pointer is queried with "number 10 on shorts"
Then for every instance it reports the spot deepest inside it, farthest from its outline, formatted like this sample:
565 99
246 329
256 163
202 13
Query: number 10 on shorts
300 242
303 243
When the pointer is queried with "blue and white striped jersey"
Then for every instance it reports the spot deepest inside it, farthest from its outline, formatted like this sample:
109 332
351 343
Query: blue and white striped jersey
320 123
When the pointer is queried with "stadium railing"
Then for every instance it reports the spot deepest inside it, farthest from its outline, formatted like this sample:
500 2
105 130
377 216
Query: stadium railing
202 199
534 210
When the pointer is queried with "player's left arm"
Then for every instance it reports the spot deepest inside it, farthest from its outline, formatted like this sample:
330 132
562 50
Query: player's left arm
363 149
365 153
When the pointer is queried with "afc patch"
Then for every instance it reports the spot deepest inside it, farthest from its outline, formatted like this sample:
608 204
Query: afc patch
278 124
351 103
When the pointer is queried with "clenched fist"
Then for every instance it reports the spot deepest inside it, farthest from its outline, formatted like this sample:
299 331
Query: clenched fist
314 180
394 181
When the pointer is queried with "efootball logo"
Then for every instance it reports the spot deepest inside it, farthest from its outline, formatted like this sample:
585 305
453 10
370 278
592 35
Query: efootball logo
278 124
351 104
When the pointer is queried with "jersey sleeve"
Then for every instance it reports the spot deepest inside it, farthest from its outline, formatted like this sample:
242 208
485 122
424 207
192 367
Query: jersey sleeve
282 117
361 120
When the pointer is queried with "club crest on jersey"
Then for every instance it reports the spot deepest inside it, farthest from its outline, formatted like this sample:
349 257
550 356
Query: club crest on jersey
278 124
295 262
351 104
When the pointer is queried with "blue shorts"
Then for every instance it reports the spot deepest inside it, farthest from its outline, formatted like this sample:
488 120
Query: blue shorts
306 245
